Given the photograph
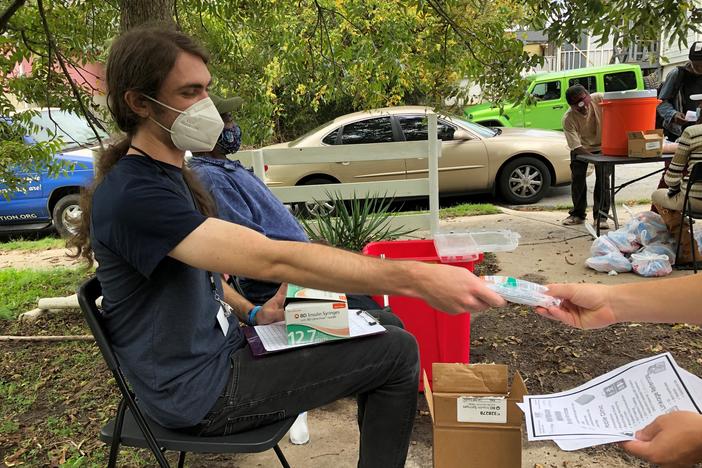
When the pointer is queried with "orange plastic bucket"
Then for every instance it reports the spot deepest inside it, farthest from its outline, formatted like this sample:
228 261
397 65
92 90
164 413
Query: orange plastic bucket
626 111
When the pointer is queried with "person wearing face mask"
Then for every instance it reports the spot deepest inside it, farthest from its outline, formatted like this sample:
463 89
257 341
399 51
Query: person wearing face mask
582 127
160 249
242 198
669 201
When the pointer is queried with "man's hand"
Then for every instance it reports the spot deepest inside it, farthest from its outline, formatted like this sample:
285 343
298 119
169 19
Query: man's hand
583 306
455 290
273 310
679 118
671 440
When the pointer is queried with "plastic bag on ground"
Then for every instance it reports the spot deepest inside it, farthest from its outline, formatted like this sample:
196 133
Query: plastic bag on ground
647 226
611 261
659 248
603 245
625 241
646 264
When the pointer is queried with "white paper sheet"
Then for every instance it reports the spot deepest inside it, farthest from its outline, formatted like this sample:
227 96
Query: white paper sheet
612 407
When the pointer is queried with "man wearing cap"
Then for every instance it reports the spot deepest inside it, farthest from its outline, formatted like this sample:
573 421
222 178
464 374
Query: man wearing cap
679 85
244 199
582 127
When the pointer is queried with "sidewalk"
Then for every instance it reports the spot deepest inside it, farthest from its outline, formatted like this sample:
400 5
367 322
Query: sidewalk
548 252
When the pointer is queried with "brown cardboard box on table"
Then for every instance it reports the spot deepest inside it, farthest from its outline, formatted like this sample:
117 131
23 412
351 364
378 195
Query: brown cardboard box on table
475 419
645 144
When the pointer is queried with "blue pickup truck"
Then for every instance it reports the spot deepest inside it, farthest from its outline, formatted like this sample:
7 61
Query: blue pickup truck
52 202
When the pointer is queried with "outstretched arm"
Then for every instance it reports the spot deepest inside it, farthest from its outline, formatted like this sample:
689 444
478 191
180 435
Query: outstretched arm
220 246
588 306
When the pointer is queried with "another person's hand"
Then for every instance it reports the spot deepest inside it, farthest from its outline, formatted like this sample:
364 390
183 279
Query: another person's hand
679 118
583 306
671 440
274 309
669 147
455 290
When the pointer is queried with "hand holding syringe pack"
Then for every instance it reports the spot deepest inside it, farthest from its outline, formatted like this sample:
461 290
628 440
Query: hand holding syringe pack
457 245
521 291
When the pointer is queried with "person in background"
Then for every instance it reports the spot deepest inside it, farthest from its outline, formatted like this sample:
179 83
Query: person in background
244 199
674 439
582 126
681 83
669 201
671 114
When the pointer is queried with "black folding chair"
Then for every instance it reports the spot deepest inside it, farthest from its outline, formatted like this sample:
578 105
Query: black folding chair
695 176
132 428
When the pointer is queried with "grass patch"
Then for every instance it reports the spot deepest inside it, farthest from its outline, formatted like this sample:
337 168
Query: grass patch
469 209
45 243
463 209
20 289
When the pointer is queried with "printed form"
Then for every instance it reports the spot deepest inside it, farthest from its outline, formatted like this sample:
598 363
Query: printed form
612 407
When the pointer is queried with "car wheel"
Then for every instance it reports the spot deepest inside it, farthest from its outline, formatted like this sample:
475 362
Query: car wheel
524 180
67 214
313 209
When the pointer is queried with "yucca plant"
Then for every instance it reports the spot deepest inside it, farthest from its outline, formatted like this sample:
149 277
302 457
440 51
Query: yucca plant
354 223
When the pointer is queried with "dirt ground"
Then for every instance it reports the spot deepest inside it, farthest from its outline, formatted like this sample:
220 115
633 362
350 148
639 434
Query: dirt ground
63 391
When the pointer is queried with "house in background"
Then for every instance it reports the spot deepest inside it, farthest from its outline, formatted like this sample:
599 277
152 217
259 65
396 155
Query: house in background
589 53
677 55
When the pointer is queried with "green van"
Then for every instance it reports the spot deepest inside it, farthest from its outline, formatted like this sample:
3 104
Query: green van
546 104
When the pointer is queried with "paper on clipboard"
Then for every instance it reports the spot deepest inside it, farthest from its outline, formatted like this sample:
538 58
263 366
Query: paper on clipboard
273 337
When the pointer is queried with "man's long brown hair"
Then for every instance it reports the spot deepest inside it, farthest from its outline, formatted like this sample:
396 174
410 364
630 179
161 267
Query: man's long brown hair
139 60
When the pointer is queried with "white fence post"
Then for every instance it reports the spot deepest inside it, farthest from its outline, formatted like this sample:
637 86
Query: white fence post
432 140
257 162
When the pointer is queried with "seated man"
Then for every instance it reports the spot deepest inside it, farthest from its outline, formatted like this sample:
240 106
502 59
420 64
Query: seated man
160 251
582 126
669 202
244 199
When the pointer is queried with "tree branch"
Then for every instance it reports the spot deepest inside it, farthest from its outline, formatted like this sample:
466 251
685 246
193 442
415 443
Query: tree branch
74 88
7 14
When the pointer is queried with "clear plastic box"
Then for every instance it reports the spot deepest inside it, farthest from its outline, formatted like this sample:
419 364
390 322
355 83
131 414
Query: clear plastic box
457 245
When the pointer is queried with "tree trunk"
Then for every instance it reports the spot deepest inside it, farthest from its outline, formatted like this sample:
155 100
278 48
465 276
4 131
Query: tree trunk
137 12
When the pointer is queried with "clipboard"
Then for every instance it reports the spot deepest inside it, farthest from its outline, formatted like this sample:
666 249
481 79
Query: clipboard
268 339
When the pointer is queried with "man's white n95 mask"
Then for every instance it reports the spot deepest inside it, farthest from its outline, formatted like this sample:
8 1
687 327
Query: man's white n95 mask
196 128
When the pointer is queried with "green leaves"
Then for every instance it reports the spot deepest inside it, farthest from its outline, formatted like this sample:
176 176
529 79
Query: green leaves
354 223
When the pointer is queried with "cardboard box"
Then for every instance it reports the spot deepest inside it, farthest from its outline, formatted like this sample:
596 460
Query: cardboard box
476 422
646 144
313 316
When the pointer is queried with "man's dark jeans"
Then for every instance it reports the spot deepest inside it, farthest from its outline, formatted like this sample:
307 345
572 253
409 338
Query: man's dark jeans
381 371
578 189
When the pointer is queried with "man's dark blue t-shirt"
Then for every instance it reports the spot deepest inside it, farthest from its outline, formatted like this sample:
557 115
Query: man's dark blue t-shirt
160 313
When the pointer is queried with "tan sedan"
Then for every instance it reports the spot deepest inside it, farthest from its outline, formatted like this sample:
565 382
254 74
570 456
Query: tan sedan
518 164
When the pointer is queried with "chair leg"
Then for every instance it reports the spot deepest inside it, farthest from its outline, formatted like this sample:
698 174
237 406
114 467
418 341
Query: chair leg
181 460
693 244
281 457
680 233
117 434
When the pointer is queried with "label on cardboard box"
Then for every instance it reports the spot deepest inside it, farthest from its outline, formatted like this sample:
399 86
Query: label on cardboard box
482 409
653 145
